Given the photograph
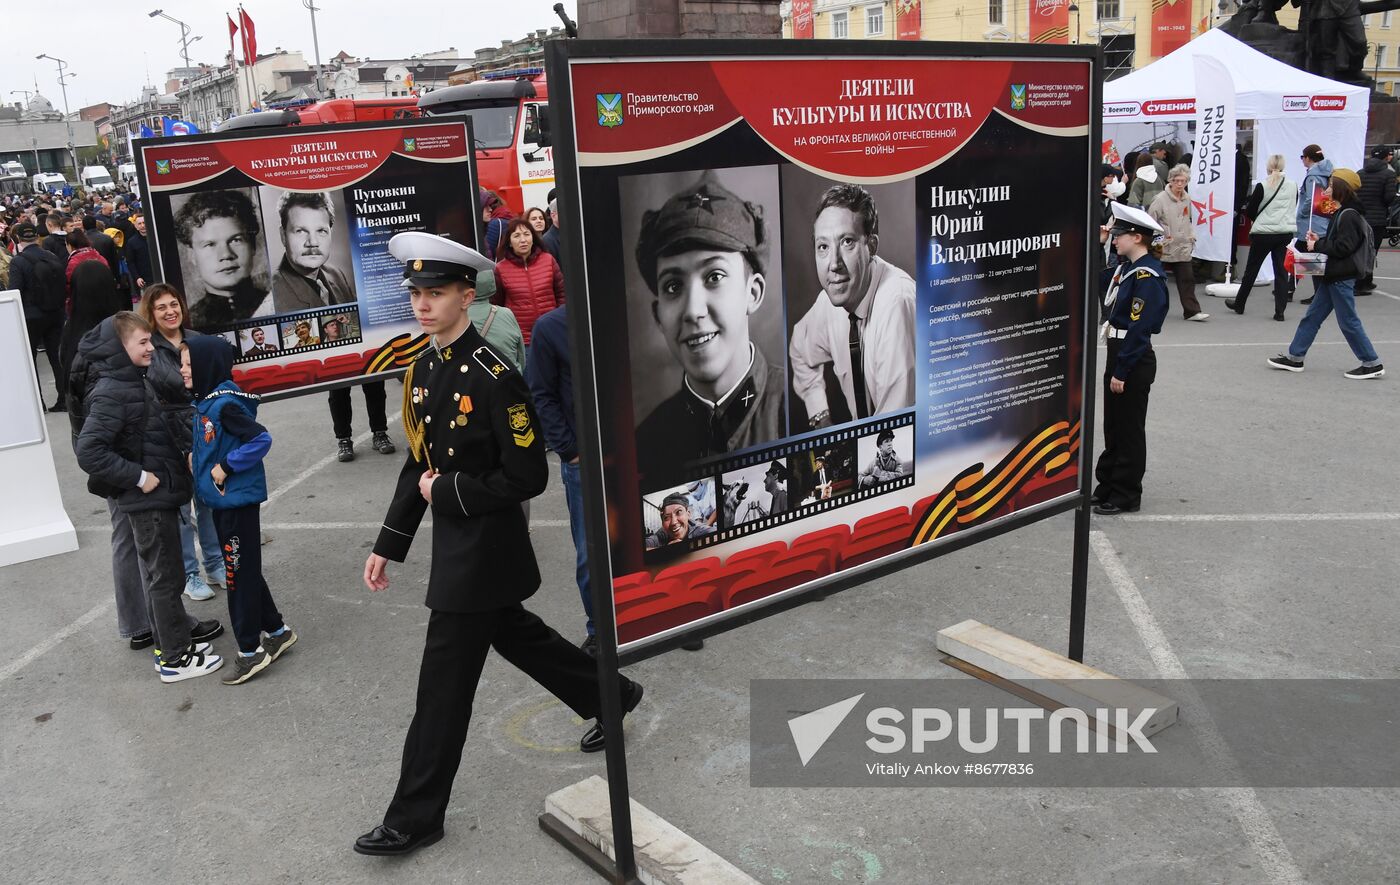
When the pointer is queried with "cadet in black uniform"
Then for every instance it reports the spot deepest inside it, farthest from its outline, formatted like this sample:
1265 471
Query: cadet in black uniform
475 453
1134 307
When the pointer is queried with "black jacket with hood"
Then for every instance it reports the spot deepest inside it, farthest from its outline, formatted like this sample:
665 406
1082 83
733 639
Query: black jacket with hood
1345 244
1377 191
127 429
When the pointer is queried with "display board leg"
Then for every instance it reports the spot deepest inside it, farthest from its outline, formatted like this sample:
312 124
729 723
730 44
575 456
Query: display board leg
1079 581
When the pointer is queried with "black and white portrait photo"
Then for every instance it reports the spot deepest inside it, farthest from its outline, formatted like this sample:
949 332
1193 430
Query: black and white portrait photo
223 256
755 492
885 456
310 255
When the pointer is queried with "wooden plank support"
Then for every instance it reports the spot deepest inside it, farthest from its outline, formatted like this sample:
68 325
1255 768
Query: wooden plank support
1055 681
665 855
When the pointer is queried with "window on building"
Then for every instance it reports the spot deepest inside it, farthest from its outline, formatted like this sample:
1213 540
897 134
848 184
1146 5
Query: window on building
1385 19
1379 60
996 12
1118 55
840 26
874 21
1109 10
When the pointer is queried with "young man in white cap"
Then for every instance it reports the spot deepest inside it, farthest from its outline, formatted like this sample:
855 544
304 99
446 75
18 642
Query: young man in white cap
1134 307
476 453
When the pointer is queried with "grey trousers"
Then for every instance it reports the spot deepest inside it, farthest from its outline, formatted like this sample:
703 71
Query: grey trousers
130 579
157 537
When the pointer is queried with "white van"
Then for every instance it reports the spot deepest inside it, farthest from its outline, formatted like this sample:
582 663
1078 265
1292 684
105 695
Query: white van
126 172
50 182
14 167
96 178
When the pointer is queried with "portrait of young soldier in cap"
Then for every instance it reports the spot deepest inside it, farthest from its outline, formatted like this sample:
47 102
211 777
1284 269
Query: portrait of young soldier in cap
885 465
476 453
703 255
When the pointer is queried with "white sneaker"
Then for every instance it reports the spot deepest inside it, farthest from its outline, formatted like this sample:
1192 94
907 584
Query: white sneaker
199 647
191 665
1199 317
196 589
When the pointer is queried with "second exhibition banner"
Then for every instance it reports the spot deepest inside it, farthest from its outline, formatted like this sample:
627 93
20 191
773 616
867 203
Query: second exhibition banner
279 239
837 310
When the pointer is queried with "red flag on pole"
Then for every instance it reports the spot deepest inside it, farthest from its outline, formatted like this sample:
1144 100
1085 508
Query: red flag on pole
232 29
250 37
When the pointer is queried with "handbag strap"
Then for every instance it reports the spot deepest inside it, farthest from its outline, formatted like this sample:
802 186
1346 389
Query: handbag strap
1281 183
490 317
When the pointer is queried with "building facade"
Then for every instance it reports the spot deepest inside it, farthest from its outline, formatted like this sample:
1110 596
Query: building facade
349 77
524 54
36 135
216 94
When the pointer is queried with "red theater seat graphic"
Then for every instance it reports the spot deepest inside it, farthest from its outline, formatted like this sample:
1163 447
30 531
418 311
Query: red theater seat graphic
827 554
758 556
873 544
719 581
687 572
834 538
654 616
346 365
877 521
777 578
625 599
626 582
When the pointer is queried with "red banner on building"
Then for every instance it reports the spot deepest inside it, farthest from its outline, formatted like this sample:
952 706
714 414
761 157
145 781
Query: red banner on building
1171 26
909 19
802 19
1050 21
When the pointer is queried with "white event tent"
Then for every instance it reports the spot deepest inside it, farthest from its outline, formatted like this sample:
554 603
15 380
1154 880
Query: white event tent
1288 108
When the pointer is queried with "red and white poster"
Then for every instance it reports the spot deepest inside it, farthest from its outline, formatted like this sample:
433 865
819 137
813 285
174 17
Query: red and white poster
1171 26
278 239
1049 21
909 19
802 19
835 317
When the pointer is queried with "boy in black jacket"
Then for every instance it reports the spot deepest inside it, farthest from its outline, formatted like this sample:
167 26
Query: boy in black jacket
128 445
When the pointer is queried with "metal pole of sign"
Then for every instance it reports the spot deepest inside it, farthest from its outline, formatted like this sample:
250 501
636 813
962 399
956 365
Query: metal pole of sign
1079 575
591 460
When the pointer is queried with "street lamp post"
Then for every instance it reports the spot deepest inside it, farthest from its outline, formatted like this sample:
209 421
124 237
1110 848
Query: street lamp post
184 33
68 123
316 46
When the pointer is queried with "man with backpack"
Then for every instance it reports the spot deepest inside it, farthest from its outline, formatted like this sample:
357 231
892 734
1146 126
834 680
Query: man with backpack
39 277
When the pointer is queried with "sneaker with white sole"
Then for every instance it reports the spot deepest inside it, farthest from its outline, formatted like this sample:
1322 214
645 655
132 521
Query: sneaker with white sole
190 665
275 645
196 589
1286 363
201 647
1362 373
245 667
1199 317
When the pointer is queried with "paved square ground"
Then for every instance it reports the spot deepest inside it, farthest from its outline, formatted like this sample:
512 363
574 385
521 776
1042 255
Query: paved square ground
1266 548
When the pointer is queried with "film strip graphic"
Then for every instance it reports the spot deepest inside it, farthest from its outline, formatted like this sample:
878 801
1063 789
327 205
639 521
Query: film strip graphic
315 317
976 495
799 510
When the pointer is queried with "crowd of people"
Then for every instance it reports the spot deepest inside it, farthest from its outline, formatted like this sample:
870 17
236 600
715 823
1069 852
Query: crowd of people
1147 229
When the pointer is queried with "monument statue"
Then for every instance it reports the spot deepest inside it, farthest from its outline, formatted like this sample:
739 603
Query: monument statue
1330 40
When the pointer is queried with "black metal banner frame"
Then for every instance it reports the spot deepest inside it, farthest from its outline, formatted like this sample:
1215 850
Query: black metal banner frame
559 54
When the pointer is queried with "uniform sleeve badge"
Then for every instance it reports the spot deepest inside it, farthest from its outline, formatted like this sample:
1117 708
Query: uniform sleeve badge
1135 311
518 417
1144 275
489 361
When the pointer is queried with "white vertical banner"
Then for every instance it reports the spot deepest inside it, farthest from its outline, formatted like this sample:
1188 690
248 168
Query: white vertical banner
1212 184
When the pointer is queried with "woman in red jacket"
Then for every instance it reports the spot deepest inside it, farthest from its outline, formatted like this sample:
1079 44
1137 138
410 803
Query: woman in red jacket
528 279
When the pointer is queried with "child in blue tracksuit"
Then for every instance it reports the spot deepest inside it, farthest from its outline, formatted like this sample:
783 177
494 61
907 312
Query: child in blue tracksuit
229 446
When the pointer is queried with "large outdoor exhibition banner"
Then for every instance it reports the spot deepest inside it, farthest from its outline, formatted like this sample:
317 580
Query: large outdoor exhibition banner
836 309
279 239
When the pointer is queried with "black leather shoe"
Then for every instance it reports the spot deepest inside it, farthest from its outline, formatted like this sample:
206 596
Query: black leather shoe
206 630
1234 305
1306 301
589 646
141 640
694 645
1278 317
385 841
593 739
1108 508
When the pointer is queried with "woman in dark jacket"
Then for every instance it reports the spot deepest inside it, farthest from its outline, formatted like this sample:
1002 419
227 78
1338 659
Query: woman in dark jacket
1347 245
163 307
528 279
93 298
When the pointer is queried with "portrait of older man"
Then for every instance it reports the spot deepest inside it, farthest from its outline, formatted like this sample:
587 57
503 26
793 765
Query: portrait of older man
862 322
306 278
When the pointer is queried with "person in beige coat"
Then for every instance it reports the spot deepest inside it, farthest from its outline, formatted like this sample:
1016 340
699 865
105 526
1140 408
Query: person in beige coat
1172 210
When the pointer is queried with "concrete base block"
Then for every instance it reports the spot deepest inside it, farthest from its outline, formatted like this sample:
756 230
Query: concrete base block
35 542
664 854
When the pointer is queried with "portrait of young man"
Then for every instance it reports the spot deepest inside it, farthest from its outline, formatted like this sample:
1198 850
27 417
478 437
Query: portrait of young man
707 314
678 523
255 340
219 237
880 456
311 272
855 340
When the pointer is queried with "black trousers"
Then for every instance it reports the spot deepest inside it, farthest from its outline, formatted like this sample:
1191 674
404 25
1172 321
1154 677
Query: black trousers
46 331
1261 246
251 610
453 655
1123 460
341 411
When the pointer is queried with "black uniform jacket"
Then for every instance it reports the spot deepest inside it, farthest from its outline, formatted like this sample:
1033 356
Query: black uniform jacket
484 439
1139 307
